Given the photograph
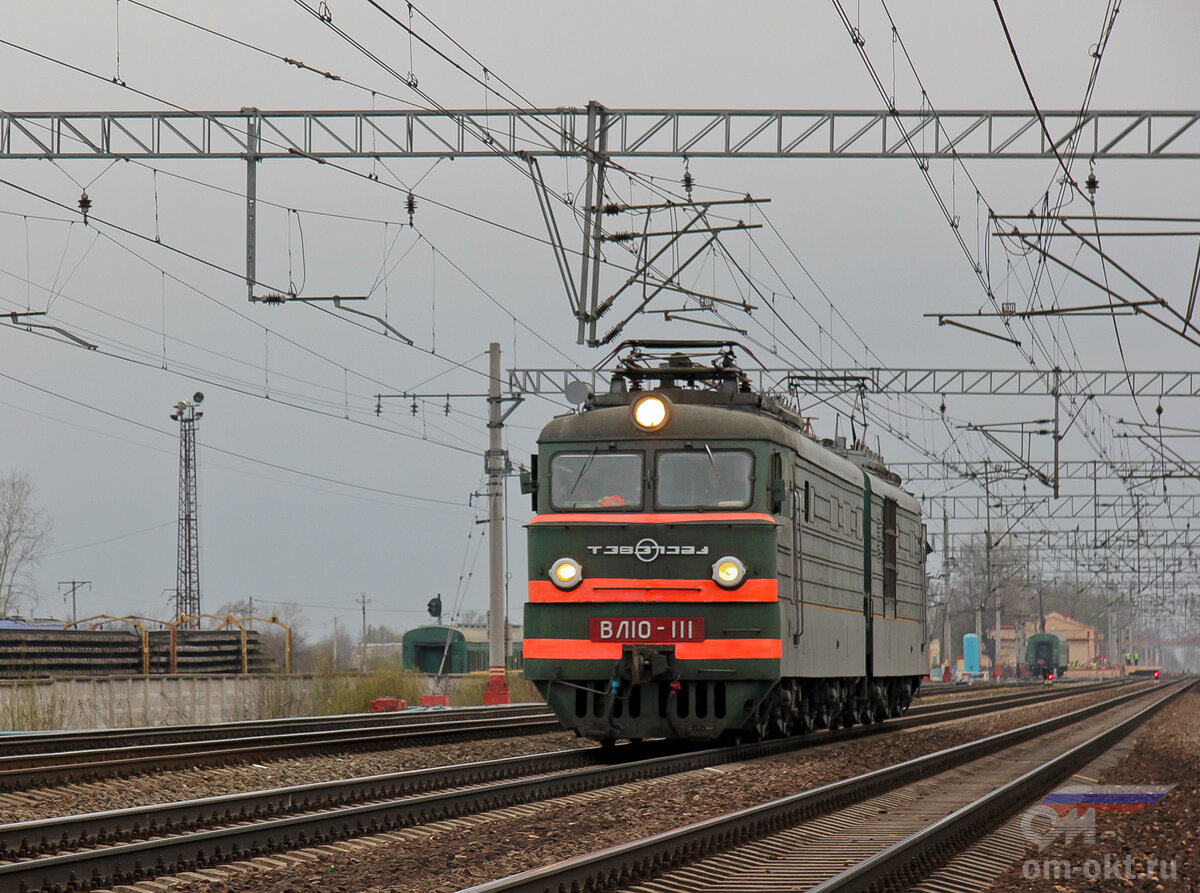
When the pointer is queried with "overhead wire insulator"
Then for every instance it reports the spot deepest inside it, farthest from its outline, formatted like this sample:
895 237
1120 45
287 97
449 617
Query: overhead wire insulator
410 205
613 208
85 205
688 181
414 406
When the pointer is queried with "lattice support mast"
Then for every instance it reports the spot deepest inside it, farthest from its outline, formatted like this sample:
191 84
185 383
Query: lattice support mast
187 572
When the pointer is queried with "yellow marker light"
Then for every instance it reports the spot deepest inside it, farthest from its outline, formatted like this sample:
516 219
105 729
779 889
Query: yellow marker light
650 412
729 572
566 573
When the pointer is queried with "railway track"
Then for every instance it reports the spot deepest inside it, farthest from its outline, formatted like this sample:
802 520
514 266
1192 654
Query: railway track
25 763
19 772
125 845
18 743
877 831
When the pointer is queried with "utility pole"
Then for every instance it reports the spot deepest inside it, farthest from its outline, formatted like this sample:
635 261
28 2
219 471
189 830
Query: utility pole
987 557
74 584
947 649
996 638
363 601
496 462
335 638
187 571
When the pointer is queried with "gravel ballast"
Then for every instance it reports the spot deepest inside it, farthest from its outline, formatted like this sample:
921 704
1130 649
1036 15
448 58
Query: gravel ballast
450 856
1154 850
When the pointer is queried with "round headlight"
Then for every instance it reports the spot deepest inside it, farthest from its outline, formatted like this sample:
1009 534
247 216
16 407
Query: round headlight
729 572
566 573
650 412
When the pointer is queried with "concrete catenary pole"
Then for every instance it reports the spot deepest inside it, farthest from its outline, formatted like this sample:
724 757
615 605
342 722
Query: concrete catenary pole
497 687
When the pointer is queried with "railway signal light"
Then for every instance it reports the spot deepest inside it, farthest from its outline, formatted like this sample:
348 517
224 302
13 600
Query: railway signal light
435 606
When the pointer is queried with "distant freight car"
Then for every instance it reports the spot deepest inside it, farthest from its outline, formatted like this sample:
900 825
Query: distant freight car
439 649
700 564
1045 656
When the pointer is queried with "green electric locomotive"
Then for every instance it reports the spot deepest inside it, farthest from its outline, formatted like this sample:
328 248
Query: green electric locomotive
700 565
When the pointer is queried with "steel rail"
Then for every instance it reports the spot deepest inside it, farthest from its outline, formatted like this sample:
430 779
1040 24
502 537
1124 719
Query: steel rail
132 861
24 771
93 739
919 854
23 839
1033 694
640 859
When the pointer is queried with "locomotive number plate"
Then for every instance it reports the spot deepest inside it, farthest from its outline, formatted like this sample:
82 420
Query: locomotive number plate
646 629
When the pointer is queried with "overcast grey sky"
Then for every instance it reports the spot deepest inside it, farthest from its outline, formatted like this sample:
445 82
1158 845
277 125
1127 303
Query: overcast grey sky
305 494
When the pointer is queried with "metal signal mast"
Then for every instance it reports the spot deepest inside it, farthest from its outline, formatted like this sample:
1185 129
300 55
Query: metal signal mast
187 573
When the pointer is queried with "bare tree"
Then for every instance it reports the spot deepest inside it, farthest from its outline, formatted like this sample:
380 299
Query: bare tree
24 538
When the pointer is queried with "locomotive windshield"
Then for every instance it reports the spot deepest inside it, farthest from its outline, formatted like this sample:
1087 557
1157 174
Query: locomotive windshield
596 480
704 479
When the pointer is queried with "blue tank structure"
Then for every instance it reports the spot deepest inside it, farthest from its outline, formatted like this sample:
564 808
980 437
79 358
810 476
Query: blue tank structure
971 656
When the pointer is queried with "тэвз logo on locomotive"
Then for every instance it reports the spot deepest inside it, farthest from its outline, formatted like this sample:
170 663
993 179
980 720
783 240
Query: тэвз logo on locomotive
647 550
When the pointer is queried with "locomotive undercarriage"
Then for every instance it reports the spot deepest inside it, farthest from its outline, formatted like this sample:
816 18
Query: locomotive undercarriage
642 701
607 710
796 706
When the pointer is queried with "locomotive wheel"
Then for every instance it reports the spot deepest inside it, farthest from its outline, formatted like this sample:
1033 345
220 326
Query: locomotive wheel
803 724
762 726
